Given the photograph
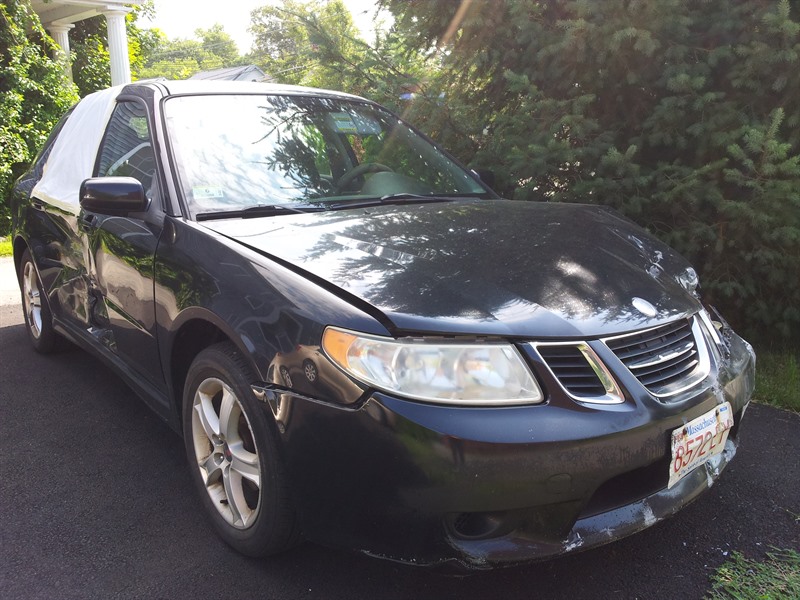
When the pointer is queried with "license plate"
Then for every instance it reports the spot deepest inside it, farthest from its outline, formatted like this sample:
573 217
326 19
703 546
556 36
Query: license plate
697 441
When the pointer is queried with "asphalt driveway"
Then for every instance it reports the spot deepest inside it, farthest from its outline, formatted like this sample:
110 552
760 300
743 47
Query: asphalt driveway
96 502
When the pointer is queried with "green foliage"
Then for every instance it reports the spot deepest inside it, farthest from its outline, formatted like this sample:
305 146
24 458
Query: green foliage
683 115
91 63
290 41
33 94
778 379
740 578
218 43
6 248
314 43
180 59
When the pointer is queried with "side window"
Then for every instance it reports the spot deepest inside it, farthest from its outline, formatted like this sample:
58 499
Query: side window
126 150
40 161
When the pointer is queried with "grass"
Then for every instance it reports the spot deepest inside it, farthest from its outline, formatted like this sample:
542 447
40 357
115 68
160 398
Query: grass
5 247
775 578
778 379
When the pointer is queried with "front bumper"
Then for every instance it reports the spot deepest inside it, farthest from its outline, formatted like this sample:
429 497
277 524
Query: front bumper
484 487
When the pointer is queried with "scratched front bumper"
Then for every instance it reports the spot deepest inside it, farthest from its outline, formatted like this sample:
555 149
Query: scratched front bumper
482 487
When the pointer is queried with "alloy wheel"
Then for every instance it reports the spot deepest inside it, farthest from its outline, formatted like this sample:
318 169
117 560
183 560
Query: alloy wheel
32 298
226 454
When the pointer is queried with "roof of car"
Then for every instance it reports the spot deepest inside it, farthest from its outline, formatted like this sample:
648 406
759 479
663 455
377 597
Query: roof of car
206 86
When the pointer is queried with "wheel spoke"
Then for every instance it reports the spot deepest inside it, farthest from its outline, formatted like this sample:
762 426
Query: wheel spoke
209 420
233 490
245 463
229 415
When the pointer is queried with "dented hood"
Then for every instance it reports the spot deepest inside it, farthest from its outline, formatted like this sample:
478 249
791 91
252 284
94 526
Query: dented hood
483 267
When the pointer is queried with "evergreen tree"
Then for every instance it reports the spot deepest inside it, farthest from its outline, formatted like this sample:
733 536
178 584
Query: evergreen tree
683 115
307 42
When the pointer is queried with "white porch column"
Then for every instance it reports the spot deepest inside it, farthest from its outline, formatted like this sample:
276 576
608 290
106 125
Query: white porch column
60 33
118 47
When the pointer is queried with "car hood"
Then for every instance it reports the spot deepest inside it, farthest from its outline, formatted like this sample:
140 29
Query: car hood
483 267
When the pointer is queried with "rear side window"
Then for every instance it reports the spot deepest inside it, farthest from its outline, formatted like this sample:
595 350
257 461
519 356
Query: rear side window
44 153
127 150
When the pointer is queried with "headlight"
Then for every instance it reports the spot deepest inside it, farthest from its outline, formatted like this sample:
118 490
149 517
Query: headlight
446 373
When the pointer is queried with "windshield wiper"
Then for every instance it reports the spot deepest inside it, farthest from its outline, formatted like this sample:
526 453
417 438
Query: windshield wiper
400 198
260 210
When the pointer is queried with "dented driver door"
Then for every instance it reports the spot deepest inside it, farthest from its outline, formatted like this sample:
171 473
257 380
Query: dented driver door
122 248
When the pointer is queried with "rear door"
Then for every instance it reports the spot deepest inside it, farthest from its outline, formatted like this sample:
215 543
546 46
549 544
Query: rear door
57 243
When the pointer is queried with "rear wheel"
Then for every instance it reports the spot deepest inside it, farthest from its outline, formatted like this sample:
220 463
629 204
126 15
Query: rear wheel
38 318
232 450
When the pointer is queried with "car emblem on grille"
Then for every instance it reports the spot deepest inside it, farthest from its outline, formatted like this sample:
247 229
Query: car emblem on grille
644 307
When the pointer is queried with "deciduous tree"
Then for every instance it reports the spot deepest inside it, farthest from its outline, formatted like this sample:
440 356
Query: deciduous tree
211 49
34 93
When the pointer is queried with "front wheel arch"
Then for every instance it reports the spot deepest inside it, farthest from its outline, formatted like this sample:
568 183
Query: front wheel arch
190 340
232 442
19 247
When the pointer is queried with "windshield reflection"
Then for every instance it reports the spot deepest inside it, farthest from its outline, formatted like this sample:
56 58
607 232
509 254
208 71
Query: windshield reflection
237 151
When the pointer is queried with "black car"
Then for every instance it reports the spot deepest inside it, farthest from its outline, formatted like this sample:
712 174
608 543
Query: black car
360 342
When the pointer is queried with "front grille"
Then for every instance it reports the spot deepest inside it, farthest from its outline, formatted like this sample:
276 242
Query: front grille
580 371
571 368
665 359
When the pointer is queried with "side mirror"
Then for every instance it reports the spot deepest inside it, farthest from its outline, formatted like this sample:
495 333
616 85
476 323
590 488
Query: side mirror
486 176
113 195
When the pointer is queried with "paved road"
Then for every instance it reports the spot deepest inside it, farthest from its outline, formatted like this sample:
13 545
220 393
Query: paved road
96 502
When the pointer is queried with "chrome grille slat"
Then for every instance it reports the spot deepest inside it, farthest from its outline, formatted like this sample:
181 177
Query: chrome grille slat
665 359
664 364
675 375
649 361
639 348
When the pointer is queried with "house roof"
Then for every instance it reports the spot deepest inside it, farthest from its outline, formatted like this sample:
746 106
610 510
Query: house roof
243 73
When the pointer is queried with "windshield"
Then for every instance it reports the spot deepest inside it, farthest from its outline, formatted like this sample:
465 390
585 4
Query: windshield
239 151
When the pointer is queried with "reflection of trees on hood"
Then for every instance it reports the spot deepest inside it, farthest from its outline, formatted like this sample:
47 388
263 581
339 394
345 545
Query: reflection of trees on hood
499 259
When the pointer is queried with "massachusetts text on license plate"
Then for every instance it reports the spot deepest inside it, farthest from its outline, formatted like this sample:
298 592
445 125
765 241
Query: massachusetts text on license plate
698 440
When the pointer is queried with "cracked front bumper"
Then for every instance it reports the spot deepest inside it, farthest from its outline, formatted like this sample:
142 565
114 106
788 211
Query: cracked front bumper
482 487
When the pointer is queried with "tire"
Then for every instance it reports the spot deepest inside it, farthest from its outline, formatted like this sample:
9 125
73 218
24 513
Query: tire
35 306
231 446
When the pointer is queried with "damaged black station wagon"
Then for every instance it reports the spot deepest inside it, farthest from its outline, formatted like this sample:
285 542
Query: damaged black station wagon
361 344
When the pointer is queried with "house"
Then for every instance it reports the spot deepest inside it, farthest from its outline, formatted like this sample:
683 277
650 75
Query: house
59 16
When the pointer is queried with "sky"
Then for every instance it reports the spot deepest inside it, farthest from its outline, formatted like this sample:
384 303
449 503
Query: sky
180 18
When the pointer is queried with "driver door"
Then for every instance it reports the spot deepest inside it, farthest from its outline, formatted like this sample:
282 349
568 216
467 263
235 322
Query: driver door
122 248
